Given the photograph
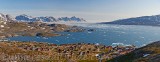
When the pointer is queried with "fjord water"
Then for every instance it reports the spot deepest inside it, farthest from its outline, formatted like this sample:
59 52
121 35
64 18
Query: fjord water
104 34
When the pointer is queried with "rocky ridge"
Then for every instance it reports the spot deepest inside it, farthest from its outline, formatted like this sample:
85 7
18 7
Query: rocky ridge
26 18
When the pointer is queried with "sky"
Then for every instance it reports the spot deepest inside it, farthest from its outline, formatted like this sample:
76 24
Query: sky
90 10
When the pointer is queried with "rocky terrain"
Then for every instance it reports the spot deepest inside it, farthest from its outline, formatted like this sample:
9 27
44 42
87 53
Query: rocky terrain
149 53
14 51
10 29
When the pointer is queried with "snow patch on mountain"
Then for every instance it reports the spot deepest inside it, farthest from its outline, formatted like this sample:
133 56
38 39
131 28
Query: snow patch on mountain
27 18
6 17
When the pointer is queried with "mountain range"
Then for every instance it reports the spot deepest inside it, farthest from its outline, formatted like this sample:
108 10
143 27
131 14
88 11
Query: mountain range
26 18
144 20
153 20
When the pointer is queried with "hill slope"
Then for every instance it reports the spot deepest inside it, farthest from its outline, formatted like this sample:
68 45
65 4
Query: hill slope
149 53
144 20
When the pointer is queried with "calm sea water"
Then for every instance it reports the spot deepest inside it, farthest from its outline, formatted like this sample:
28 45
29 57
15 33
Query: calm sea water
104 34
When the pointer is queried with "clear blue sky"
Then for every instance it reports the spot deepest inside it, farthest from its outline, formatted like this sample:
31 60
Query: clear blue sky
91 10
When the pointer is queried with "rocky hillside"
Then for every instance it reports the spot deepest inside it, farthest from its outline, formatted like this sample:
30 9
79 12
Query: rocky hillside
6 17
149 53
17 51
144 20
27 18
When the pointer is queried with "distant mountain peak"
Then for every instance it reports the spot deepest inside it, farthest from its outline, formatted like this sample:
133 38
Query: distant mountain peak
153 20
27 18
7 17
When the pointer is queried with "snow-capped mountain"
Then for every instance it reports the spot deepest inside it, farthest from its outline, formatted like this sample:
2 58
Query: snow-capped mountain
6 17
24 17
71 19
27 18
144 20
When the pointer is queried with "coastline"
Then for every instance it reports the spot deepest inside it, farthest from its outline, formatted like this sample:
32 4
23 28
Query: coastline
12 29
42 51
